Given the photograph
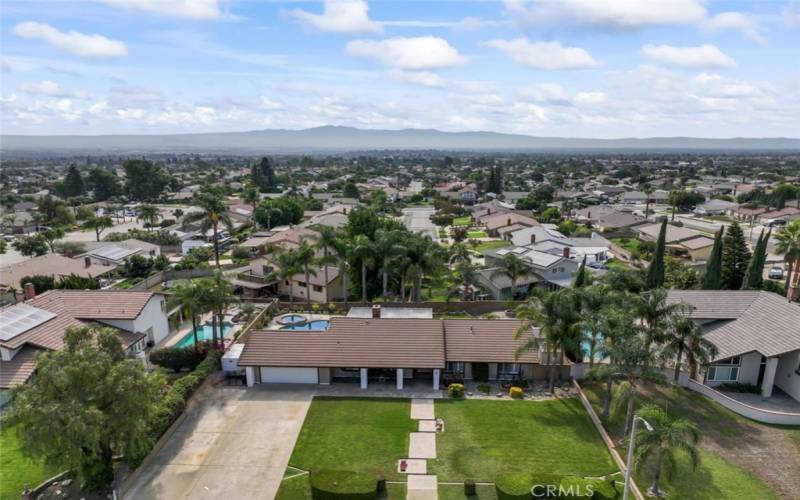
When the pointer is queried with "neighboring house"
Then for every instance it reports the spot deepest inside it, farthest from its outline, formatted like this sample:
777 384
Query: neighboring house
418 220
489 208
290 238
787 213
500 224
714 207
18 223
746 214
197 239
53 265
256 244
319 291
756 334
114 254
39 324
546 238
634 197
512 197
398 351
335 216
548 270
618 221
680 240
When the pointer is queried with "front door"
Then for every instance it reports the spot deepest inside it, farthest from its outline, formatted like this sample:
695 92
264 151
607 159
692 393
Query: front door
761 369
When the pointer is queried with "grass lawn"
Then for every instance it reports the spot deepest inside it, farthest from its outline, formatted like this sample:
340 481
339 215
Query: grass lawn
484 438
456 492
715 477
462 221
357 434
629 244
476 234
485 246
618 264
16 470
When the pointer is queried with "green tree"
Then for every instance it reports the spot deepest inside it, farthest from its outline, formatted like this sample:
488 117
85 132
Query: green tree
363 254
712 280
580 276
251 196
631 357
214 213
305 258
40 282
279 211
593 301
73 183
655 272
735 256
190 295
350 190
686 337
30 246
98 224
103 183
788 245
263 176
754 274
87 403
387 249
465 277
513 268
77 282
669 435
144 181
656 315
327 242
218 296
287 267
149 214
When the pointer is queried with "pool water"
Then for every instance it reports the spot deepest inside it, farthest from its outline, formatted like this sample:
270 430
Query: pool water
320 324
204 332
292 318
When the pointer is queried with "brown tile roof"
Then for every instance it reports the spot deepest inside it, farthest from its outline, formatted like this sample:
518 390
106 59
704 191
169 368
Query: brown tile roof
48 265
500 220
76 308
19 369
486 341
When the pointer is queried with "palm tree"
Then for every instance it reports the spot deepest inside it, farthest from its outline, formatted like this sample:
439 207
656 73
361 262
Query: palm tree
788 245
149 214
287 267
342 248
459 253
218 296
191 296
326 241
251 196
387 249
214 212
465 275
632 356
686 337
592 301
513 268
669 434
271 211
423 257
363 252
304 256
656 315
556 316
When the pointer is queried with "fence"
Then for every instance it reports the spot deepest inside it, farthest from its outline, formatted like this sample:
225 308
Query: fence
163 276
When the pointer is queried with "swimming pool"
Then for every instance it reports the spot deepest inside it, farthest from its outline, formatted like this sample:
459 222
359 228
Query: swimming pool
319 324
204 332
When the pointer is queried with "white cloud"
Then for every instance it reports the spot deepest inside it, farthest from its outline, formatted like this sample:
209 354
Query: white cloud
463 24
45 87
340 16
269 104
589 98
6 68
71 41
734 21
424 78
703 56
420 53
551 93
613 14
190 9
791 14
544 55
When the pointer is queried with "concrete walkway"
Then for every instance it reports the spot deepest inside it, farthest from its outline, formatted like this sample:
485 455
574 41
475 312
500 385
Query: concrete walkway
422 409
421 446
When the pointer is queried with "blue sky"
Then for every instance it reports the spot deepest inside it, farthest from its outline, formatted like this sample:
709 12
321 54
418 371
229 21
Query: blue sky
588 68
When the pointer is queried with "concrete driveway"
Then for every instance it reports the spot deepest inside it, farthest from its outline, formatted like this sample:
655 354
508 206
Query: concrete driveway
235 443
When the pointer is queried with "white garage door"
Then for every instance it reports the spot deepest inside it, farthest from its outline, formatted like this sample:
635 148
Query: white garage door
274 375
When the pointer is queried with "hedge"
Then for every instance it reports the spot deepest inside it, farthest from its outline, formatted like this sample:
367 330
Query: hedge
329 484
519 485
510 486
455 390
179 358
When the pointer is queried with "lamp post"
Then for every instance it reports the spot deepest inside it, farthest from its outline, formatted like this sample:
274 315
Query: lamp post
631 446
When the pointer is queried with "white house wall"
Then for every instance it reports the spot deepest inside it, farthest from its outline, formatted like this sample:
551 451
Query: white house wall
153 316
786 377
748 370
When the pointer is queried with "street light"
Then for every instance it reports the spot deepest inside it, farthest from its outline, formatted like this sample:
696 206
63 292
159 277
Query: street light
631 446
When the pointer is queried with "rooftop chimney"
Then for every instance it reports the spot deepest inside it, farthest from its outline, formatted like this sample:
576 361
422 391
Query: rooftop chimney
28 291
488 211
533 239
566 252
508 221
87 262
589 214
376 311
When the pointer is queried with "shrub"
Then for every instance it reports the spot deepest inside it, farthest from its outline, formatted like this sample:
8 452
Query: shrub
484 388
469 488
510 486
178 358
739 387
240 253
515 392
455 390
342 485
41 283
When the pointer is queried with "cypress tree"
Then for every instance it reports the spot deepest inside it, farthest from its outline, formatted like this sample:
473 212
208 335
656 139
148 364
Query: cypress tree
655 273
713 277
753 272
735 257
580 277
73 183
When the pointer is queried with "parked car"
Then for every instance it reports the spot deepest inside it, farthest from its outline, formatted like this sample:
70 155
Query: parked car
776 273
774 222
597 265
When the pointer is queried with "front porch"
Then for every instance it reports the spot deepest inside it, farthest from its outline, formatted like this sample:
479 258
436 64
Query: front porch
779 401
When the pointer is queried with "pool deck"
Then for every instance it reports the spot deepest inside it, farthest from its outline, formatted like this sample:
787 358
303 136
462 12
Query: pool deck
175 337
274 325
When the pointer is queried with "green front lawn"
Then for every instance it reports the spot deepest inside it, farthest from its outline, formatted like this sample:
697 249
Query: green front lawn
462 221
484 438
618 264
16 471
485 246
356 434
476 234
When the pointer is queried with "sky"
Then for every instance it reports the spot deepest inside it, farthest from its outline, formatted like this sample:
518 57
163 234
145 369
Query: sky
574 68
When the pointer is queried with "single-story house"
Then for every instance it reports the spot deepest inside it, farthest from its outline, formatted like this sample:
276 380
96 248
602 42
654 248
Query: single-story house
756 334
681 240
114 254
399 351
40 322
497 222
51 264
714 207
18 223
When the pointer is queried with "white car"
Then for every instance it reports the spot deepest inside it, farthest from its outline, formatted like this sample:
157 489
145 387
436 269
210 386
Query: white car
776 273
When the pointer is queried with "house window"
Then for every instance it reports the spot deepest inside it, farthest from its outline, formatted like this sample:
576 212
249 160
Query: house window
302 284
317 288
508 368
726 370
454 367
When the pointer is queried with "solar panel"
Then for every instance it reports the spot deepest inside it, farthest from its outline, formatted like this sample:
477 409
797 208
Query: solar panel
520 250
503 251
20 318
113 252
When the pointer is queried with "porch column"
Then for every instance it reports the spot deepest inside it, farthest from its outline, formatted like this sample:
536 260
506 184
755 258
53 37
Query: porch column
435 379
769 377
251 376
399 379
364 378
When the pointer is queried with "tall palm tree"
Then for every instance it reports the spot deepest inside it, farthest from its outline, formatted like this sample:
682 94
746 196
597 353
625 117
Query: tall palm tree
387 249
326 241
251 196
271 211
556 316
669 435
465 275
149 214
593 301
686 337
513 268
219 295
788 245
363 253
656 315
632 356
305 257
458 253
423 257
214 212
286 268
342 248
190 295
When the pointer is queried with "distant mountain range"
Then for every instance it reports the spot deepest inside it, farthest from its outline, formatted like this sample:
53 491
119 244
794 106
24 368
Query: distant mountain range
342 139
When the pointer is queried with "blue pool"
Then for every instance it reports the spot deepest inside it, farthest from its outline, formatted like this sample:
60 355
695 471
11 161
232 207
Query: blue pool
204 332
320 324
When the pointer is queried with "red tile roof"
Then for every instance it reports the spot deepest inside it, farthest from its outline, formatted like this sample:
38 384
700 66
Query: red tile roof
19 369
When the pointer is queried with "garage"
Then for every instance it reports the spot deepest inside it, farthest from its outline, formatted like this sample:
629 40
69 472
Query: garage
284 375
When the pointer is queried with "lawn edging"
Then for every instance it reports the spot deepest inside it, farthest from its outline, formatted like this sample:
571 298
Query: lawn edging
612 448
